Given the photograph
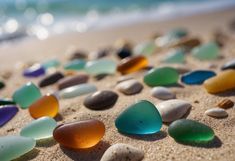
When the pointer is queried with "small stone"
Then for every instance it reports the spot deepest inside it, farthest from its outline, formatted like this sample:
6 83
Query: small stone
175 56
73 53
172 110
216 112
77 64
225 103
34 71
124 52
197 76
139 118
207 51
77 90
26 95
122 152
100 100
47 105
162 93
72 81
5 101
229 65
80 135
12 147
7 112
190 131
161 76
41 128
100 66
52 63
132 64
222 82
99 54
130 87
2 84
187 42
124 78
51 79
145 48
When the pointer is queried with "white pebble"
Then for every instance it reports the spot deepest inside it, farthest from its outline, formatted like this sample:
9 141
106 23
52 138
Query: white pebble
216 112
162 93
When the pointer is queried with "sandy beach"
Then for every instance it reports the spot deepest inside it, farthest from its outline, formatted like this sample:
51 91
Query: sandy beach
159 146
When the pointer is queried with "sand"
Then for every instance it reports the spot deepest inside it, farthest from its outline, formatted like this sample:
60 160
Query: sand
158 146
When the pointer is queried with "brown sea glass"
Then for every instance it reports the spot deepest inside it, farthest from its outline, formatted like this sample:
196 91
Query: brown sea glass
132 64
47 105
79 135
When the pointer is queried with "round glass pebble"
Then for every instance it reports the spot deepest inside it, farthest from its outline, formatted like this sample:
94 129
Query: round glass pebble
34 71
7 112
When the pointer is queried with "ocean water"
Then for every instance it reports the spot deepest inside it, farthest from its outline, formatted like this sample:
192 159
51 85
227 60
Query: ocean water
42 18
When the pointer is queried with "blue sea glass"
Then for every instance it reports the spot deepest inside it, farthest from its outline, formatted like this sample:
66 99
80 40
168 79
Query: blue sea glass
7 112
34 71
197 76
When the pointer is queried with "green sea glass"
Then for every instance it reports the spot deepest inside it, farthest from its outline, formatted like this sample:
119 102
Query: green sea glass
146 48
77 64
12 147
161 76
190 131
140 118
52 63
101 66
176 56
41 128
77 90
26 95
207 51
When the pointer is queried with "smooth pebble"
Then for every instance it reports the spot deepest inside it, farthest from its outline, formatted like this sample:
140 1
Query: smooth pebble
172 110
122 152
216 112
101 100
130 87
162 93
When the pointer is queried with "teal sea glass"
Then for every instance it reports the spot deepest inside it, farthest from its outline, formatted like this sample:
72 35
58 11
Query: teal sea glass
26 95
77 64
139 118
101 66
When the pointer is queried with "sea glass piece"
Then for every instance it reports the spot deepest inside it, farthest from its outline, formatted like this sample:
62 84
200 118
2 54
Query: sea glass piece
80 135
222 82
132 64
100 66
161 76
26 95
12 147
139 118
77 64
175 56
197 76
7 112
41 128
145 48
190 131
47 105
77 90
34 71
207 51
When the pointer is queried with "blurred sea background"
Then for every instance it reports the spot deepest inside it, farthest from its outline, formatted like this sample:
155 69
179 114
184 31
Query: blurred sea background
42 18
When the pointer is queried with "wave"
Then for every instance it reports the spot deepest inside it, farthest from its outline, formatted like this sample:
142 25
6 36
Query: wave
46 24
